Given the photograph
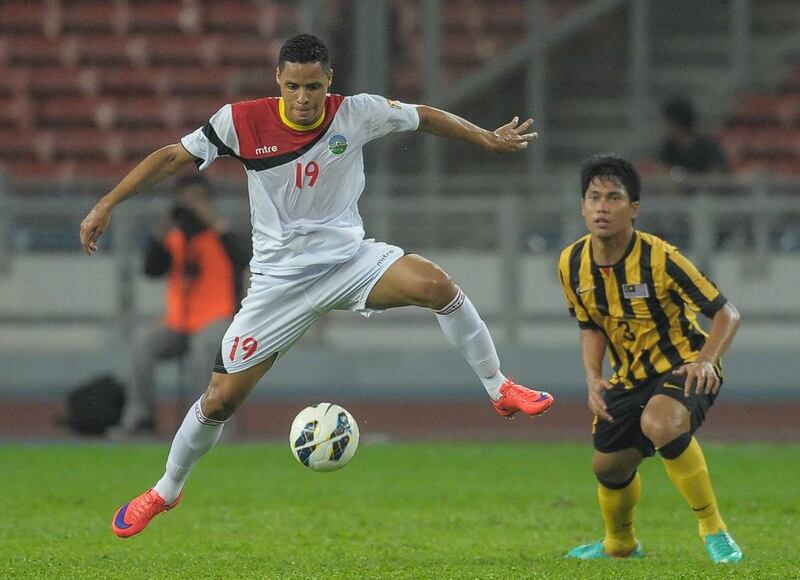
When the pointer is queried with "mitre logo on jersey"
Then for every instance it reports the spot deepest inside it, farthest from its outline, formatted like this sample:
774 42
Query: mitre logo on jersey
267 149
337 144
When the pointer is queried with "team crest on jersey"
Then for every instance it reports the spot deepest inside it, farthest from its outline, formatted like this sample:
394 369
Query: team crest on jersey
337 144
393 104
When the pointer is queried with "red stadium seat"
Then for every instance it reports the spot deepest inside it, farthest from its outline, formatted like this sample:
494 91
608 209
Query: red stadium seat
15 113
241 52
21 144
72 112
34 50
105 50
127 82
12 81
231 17
29 168
162 16
458 48
190 51
92 16
196 111
81 144
138 144
252 83
59 81
199 81
23 16
134 113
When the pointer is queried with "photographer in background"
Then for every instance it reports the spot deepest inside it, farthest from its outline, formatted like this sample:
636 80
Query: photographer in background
205 267
685 151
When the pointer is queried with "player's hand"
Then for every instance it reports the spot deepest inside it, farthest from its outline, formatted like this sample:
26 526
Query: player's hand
93 226
702 376
597 405
512 136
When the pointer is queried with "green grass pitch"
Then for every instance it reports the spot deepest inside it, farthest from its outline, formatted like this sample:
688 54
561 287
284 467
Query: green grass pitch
439 510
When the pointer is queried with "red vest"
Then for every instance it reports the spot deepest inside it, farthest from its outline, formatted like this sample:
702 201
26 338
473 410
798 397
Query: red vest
206 294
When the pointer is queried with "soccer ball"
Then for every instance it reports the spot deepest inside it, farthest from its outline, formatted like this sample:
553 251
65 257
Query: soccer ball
324 437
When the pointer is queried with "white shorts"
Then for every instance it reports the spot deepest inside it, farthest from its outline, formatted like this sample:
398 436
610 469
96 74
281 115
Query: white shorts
278 310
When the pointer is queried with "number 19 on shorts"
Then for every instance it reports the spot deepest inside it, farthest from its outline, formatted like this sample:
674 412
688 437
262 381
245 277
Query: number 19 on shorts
249 345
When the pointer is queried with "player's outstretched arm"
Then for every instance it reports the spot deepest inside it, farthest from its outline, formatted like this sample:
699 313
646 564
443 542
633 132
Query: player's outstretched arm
510 138
154 168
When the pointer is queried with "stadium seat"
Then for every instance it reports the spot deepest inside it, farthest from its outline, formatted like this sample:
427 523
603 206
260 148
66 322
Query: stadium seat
34 50
131 82
26 145
71 112
59 81
101 50
237 17
17 16
162 16
459 48
191 51
205 82
241 52
12 81
92 16
136 144
252 83
80 144
15 114
137 112
195 110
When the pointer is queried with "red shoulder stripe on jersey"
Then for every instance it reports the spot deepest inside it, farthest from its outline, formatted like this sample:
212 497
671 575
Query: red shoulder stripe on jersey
264 139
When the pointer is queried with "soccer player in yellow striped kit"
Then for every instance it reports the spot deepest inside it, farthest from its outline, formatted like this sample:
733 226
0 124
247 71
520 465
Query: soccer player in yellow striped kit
637 296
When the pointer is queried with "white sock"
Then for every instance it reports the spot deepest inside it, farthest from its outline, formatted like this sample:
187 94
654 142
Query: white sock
196 435
463 327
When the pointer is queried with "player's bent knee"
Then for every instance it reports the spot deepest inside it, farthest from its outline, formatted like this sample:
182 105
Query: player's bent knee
616 467
438 290
659 430
606 470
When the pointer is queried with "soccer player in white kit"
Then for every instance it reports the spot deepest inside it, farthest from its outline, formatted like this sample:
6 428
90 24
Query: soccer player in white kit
305 174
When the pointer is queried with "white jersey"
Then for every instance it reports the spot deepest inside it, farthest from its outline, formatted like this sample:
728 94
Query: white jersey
304 182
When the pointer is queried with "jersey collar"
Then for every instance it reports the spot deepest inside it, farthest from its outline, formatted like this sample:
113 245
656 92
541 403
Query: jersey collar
628 250
295 126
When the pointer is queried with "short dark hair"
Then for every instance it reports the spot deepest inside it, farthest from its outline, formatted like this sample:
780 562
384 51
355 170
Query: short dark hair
191 180
612 166
304 48
679 112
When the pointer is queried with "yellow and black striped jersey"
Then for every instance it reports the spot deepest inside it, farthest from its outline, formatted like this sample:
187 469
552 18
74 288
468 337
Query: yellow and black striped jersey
646 304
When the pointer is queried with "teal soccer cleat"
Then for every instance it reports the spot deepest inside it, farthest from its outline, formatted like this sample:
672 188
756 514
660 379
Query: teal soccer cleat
596 551
722 548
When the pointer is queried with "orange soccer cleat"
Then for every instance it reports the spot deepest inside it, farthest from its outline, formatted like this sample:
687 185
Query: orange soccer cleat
515 397
134 516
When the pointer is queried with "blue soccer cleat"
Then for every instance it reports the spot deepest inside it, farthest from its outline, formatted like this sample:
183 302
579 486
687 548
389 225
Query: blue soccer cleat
722 548
597 551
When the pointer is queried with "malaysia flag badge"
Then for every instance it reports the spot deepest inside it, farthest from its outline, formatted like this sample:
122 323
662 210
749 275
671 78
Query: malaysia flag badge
635 291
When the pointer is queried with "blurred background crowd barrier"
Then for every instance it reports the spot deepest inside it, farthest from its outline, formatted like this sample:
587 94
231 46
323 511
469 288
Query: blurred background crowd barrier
89 87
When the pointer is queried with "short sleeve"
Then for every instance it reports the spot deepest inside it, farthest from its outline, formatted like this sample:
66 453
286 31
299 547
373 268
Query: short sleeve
574 304
692 285
217 137
384 115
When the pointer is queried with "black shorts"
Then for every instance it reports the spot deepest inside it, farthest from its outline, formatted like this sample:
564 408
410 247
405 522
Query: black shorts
626 406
